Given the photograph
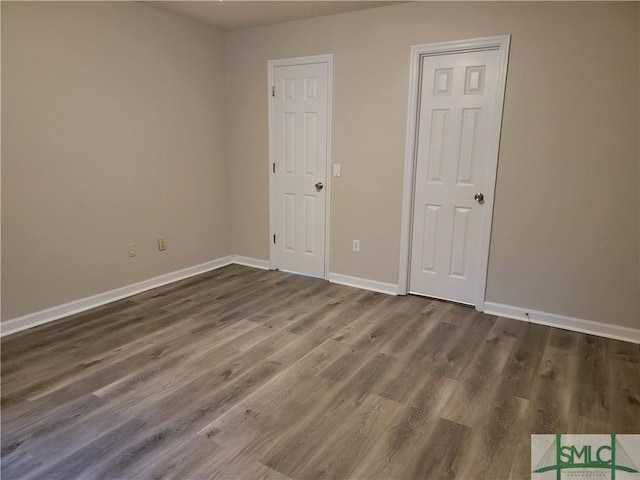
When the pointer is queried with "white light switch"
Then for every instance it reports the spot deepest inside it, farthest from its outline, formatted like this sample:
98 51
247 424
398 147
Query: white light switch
336 169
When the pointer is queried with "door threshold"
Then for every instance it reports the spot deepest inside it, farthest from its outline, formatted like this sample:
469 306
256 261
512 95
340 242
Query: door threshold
301 274
446 300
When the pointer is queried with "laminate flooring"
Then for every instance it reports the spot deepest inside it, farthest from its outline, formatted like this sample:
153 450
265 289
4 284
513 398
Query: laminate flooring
248 374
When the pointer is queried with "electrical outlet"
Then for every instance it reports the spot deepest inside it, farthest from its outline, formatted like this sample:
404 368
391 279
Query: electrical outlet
162 244
356 245
132 250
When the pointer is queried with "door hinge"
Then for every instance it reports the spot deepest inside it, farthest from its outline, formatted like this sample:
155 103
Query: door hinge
274 238
274 167
273 91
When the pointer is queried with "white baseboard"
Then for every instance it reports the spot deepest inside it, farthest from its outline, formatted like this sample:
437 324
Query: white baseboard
250 262
517 313
567 323
366 284
50 314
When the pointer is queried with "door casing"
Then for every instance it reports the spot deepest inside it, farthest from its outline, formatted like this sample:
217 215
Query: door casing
500 43
285 62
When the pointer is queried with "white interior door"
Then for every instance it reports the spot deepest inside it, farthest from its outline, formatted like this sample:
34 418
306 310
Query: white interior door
453 192
300 114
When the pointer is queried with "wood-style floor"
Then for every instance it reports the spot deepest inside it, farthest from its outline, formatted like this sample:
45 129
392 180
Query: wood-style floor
243 373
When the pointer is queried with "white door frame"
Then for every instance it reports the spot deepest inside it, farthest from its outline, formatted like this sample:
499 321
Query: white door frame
418 52
286 62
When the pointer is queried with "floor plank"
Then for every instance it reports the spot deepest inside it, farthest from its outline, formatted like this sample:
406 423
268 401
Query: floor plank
244 373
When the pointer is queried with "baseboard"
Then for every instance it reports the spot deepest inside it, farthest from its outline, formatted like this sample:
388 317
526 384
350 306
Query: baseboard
251 262
366 284
517 313
567 323
50 314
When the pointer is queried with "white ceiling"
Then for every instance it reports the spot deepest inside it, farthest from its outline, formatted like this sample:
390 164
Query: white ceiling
232 14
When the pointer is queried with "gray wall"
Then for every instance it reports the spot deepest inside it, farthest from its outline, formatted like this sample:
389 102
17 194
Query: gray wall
122 123
112 132
565 232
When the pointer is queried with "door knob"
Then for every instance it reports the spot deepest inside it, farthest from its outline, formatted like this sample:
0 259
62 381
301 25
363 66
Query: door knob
319 186
479 197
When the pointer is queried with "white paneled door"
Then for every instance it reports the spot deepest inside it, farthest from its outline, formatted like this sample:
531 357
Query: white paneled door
453 191
299 121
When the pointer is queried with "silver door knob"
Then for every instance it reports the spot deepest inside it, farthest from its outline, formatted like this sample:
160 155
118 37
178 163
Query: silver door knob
479 197
319 186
